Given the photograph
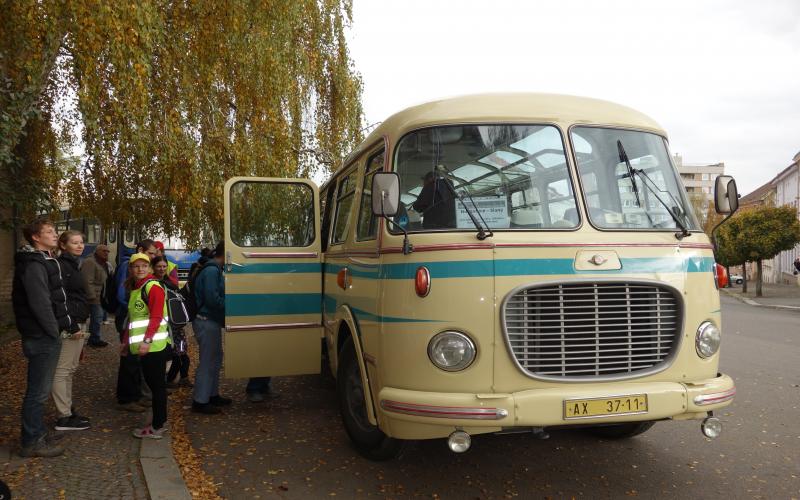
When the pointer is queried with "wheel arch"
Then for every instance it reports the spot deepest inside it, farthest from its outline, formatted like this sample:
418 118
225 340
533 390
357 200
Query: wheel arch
347 327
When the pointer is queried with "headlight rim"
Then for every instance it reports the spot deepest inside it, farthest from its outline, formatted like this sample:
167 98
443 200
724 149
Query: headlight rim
700 331
456 368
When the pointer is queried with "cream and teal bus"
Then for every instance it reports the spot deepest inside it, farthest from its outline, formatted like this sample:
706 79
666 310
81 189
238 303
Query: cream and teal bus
485 264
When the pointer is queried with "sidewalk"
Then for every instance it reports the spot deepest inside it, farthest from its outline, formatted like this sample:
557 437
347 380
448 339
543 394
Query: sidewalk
102 462
778 296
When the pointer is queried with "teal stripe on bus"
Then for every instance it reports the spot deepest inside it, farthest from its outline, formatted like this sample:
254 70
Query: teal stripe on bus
277 268
256 304
489 268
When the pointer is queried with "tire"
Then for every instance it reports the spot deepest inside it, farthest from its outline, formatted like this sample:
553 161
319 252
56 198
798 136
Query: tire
367 439
620 431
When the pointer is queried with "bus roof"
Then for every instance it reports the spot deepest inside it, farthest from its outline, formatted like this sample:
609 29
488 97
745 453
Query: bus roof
521 107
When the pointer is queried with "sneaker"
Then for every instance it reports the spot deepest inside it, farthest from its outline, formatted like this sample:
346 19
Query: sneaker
206 408
71 423
255 397
220 401
97 343
148 433
80 417
133 407
41 448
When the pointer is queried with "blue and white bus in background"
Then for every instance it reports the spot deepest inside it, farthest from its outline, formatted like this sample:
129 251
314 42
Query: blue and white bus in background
122 242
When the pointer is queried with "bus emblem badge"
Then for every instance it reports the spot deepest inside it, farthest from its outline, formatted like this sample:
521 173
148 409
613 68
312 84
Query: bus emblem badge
597 260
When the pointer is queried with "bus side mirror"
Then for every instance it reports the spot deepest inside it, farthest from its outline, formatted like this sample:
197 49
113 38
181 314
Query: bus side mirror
385 193
726 197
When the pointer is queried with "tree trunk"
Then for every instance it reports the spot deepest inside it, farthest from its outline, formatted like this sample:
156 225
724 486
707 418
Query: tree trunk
744 277
759 278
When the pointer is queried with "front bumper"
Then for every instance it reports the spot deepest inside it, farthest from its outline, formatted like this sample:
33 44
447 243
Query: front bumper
408 414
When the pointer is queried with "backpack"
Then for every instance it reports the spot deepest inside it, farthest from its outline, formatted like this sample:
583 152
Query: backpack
176 306
187 292
108 294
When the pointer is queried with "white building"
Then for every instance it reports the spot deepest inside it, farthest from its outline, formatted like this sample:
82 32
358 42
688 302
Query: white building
787 192
699 178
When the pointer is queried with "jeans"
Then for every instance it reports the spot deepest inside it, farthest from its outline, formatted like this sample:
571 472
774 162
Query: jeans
94 323
42 353
261 385
209 340
154 364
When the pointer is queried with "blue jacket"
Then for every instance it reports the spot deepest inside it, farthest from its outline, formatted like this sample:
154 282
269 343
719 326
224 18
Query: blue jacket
209 292
121 276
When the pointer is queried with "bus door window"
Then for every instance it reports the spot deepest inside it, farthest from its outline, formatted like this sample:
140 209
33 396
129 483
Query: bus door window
291 214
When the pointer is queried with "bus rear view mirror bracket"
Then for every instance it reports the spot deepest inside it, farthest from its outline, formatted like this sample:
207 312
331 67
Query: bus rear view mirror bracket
386 202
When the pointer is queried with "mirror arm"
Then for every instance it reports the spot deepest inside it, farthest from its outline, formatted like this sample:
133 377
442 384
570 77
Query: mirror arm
714 231
407 246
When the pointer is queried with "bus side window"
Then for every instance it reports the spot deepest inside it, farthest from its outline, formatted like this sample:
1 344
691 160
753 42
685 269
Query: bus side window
367 222
326 199
345 193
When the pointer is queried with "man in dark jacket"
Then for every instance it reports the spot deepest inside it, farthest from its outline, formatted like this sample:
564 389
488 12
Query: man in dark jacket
436 202
209 291
41 314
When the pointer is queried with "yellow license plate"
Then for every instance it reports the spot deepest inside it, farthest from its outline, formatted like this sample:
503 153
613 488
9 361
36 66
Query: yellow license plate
632 404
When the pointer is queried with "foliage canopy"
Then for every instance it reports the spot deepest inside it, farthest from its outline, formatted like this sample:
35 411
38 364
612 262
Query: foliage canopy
173 98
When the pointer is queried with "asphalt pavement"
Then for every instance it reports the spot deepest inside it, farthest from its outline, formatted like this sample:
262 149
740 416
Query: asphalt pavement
295 447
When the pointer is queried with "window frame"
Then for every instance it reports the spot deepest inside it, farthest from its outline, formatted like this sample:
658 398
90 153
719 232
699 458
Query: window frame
569 165
367 177
338 197
584 201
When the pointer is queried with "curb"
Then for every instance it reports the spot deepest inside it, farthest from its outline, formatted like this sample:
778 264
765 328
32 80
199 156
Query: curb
751 302
161 472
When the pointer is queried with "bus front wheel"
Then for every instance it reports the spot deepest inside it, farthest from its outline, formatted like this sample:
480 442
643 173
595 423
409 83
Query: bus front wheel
368 439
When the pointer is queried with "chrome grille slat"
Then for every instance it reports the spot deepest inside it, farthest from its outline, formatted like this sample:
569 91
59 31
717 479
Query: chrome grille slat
599 329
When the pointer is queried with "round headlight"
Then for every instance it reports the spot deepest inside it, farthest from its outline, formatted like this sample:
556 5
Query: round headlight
451 351
707 340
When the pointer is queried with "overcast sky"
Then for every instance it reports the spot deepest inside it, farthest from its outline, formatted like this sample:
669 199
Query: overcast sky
722 77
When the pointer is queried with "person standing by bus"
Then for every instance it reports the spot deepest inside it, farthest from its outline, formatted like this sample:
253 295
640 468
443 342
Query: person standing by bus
129 377
179 355
70 244
39 305
147 337
95 270
172 268
209 294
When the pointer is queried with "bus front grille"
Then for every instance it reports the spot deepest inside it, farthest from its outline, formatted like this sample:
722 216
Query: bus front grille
592 330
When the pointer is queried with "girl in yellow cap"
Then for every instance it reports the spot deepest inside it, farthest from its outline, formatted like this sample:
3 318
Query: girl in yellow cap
147 336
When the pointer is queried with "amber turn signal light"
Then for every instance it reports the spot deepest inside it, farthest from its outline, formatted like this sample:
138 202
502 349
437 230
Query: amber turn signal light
422 281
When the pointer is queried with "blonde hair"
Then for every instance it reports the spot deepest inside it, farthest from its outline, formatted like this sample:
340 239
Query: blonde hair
65 236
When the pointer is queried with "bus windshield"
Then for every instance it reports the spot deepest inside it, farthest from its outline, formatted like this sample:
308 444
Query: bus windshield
508 176
619 197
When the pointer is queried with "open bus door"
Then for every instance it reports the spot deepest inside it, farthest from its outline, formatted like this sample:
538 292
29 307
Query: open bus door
273 278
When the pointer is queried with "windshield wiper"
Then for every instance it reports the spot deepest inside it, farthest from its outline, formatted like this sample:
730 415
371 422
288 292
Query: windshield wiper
648 183
482 234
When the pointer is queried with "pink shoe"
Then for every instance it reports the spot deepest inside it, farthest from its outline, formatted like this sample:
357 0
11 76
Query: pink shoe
149 433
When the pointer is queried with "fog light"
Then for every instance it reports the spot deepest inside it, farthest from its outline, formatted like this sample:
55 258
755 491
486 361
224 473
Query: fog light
459 442
711 427
707 340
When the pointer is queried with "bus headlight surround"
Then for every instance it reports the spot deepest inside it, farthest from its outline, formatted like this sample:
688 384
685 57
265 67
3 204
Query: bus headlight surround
451 351
707 340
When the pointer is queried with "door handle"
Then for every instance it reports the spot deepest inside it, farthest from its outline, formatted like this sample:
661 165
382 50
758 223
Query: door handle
229 263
